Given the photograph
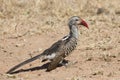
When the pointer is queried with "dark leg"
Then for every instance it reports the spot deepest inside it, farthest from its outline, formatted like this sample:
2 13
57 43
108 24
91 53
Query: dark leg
44 60
64 62
67 63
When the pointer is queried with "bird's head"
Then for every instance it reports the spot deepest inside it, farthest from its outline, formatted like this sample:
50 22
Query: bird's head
77 21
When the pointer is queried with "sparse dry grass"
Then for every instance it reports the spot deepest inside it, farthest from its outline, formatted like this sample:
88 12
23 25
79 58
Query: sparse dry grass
40 15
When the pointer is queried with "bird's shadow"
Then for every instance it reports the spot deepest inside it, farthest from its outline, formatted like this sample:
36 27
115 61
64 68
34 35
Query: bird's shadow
44 66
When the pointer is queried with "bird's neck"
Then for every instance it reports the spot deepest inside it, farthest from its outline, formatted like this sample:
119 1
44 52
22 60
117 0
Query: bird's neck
74 31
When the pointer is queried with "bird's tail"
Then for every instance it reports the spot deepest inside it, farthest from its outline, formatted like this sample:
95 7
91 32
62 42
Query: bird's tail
23 63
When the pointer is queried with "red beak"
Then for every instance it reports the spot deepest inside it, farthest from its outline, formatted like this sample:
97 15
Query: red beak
84 24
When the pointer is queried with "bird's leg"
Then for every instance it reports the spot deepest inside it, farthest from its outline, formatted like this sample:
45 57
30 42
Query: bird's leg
44 60
64 62
67 63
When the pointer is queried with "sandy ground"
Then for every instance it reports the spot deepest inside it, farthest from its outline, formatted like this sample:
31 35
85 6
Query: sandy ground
29 27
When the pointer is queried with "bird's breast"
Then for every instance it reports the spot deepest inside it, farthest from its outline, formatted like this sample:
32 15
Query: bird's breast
70 46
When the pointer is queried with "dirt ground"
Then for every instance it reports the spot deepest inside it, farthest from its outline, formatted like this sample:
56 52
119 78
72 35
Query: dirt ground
28 27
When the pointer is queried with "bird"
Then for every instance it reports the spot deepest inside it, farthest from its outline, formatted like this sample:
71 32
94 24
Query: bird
60 49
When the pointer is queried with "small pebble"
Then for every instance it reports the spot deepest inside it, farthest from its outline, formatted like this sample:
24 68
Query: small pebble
100 10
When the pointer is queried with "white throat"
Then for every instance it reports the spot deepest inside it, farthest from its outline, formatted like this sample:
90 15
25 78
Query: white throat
74 32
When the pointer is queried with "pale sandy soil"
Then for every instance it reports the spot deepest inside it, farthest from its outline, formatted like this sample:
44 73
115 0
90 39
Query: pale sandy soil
29 27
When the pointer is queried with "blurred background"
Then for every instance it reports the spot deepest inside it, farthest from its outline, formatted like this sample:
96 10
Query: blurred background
43 15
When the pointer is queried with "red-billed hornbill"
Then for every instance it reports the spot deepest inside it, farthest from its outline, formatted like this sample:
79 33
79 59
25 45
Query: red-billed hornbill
60 49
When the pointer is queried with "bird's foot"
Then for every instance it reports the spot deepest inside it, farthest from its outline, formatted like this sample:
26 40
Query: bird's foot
63 62
68 63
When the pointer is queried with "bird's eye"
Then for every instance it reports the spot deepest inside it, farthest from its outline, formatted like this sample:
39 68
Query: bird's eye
76 20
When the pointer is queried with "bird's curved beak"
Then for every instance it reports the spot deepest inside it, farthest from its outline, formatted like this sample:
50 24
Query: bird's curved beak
84 24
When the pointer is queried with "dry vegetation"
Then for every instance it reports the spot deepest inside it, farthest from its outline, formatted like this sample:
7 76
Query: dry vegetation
30 26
